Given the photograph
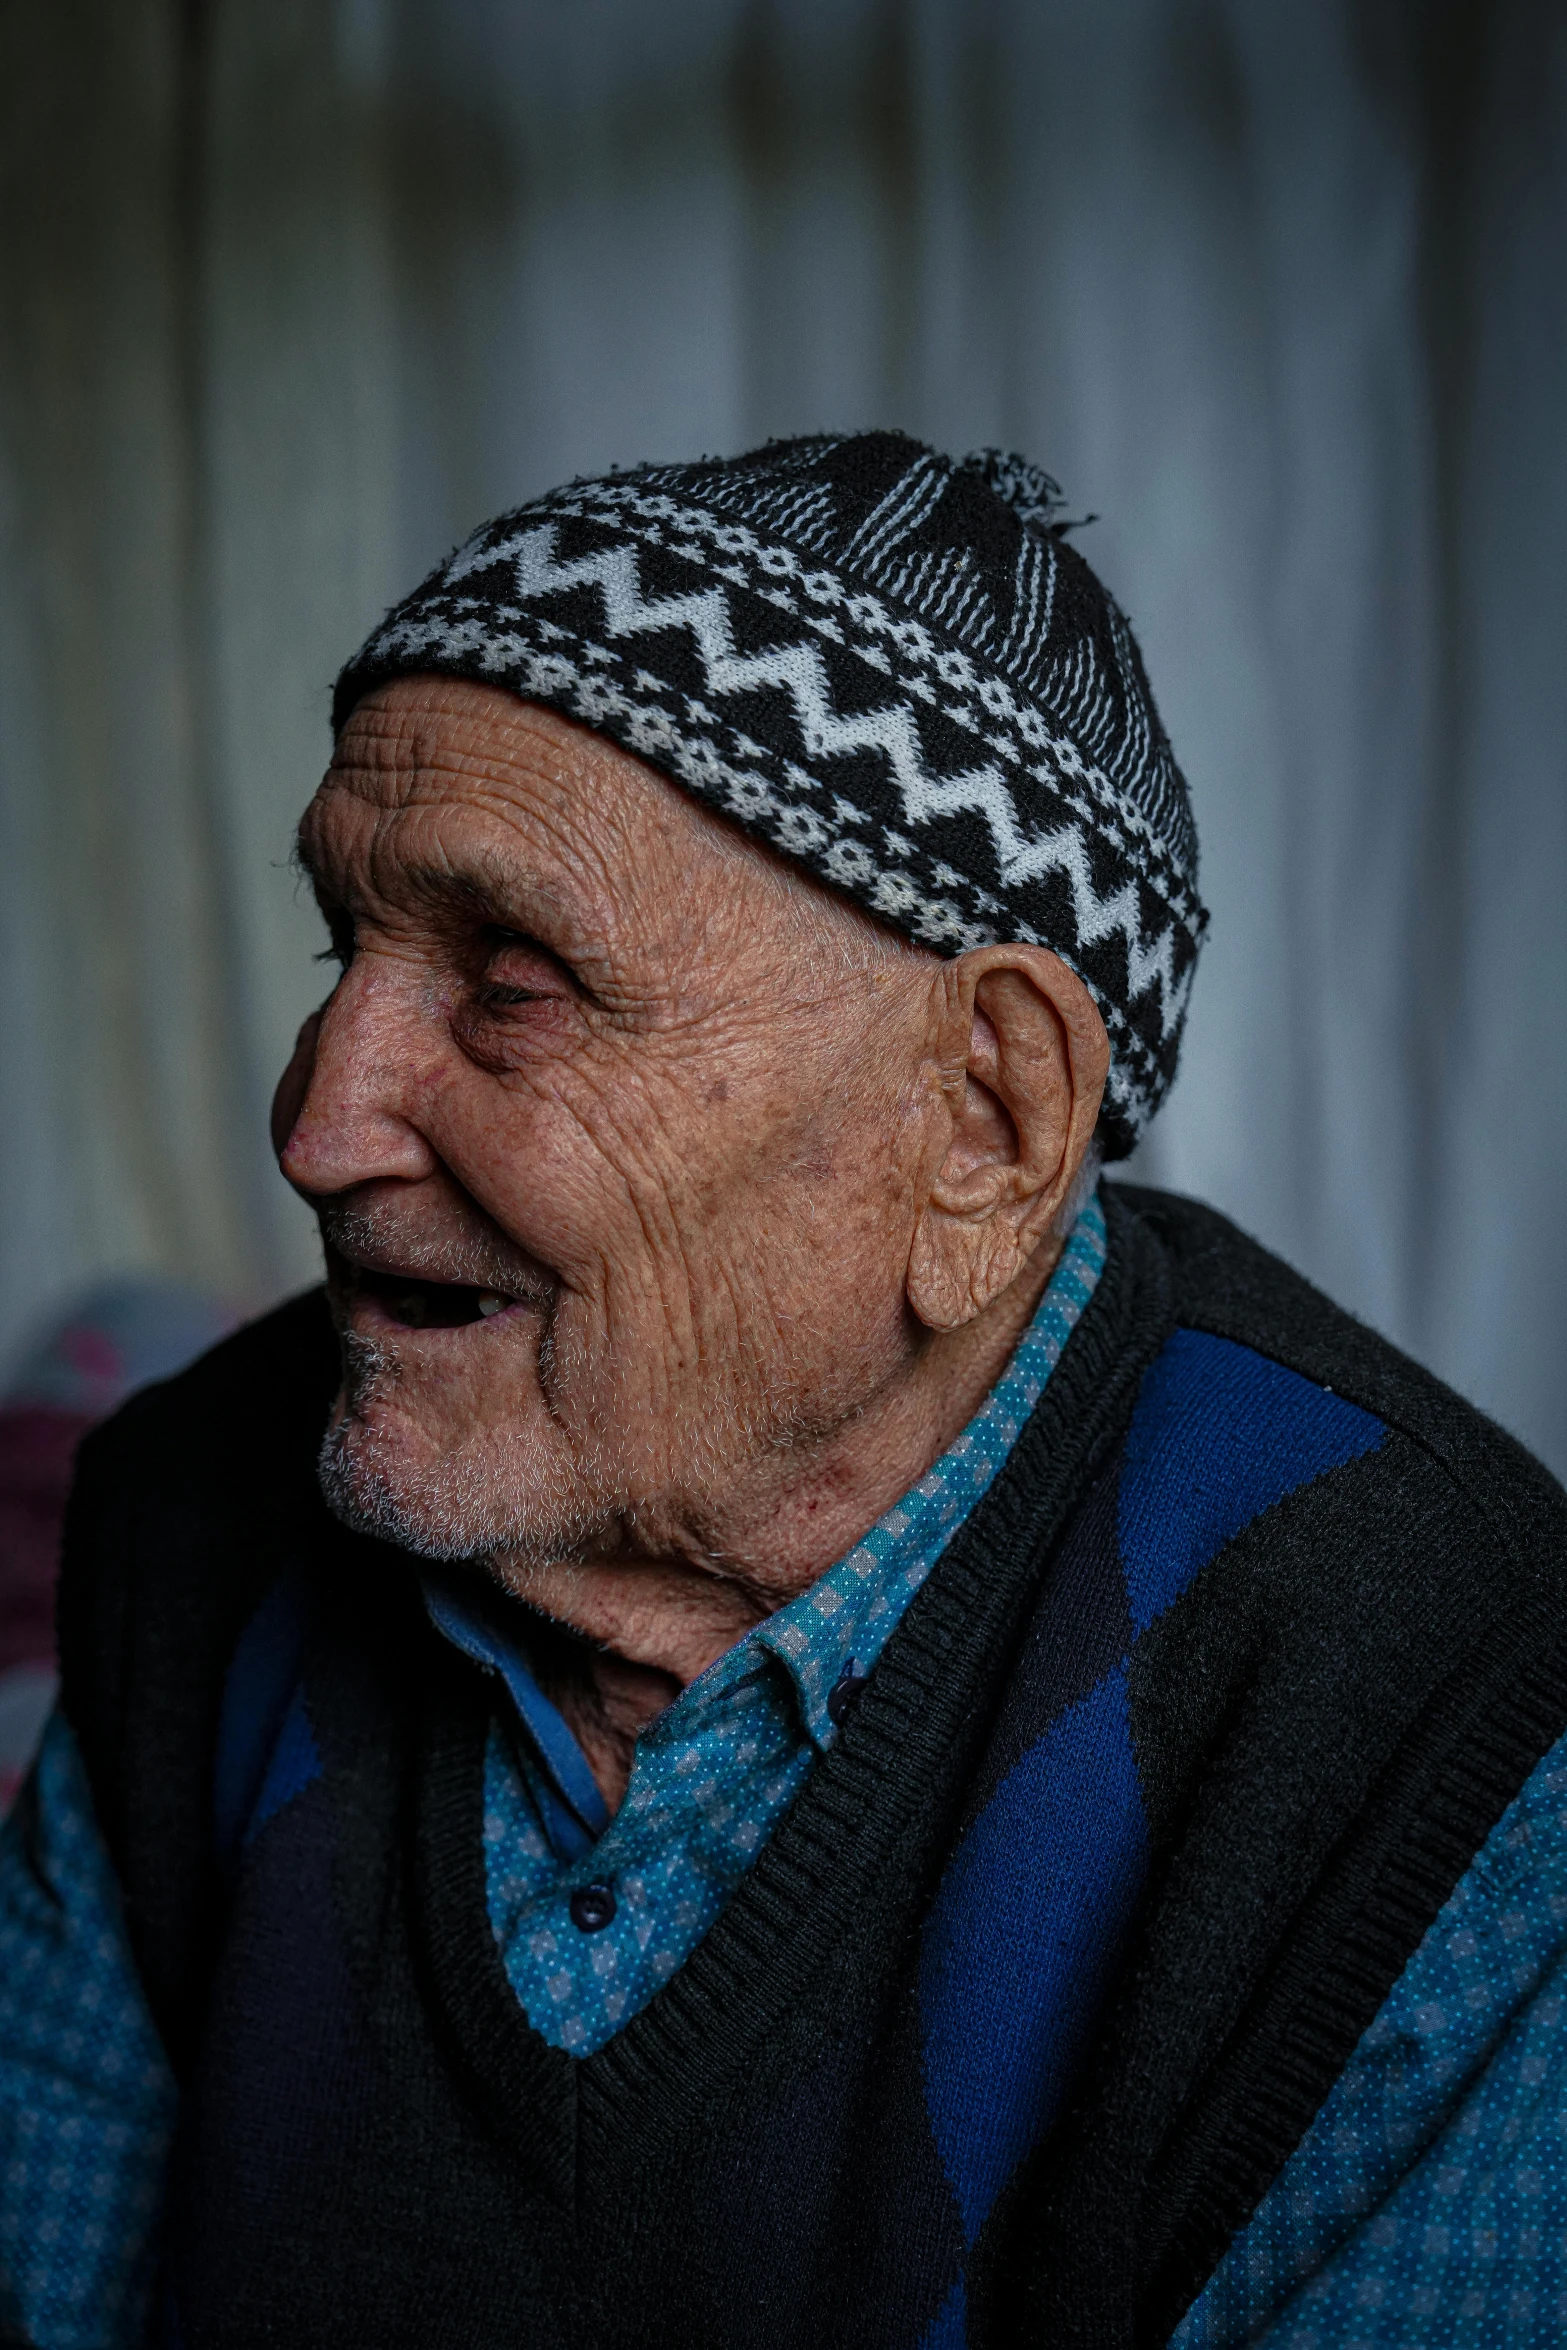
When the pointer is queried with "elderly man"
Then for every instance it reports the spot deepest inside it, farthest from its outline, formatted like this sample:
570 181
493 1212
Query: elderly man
778 1720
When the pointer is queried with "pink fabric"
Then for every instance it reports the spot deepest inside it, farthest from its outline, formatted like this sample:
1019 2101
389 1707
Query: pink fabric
37 1453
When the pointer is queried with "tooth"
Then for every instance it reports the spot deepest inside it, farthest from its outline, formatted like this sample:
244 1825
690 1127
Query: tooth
489 1303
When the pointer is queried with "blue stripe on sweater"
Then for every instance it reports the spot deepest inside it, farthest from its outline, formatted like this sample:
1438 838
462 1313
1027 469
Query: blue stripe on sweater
1026 1925
1219 1435
1029 1922
266 1752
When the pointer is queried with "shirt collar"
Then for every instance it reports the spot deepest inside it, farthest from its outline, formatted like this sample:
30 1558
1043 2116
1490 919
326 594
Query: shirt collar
473 1619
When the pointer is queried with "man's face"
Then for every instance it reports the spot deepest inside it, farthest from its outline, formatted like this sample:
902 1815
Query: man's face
613 1128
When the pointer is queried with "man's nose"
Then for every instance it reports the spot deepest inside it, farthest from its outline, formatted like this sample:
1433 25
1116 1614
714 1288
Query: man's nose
343 1113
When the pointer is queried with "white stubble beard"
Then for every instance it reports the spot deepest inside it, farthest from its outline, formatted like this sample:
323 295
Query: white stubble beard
506 1492
512 1499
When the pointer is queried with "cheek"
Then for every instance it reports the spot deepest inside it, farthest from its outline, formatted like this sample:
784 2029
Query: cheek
838 1261
532 1164
819 1216
575 1168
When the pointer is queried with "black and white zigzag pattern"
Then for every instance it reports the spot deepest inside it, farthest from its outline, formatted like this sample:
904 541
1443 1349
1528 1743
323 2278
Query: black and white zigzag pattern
857 649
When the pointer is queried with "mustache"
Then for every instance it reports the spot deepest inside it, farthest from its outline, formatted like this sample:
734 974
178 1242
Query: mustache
376 1239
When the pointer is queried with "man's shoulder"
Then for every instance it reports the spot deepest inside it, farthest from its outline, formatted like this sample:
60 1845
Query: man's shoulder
252 1408
181 1508
1344 1592
185 1505
1235 1294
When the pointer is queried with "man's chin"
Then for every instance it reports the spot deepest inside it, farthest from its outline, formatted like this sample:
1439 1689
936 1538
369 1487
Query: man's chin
371 1497
382 1478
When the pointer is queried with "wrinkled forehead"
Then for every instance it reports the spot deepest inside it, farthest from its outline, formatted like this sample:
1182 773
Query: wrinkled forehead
441 790
427 763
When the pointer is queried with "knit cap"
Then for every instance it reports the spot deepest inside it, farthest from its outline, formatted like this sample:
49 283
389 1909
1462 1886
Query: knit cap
889 664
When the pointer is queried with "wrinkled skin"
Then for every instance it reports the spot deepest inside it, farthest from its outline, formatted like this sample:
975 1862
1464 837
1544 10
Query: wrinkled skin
677 1215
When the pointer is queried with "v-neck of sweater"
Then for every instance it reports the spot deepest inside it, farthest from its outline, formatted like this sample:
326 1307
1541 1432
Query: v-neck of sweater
831 1887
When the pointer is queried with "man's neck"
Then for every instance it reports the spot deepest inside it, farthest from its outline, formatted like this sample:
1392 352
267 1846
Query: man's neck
647 1625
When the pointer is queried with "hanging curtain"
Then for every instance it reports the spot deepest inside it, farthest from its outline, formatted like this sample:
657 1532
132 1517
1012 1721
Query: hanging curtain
296 293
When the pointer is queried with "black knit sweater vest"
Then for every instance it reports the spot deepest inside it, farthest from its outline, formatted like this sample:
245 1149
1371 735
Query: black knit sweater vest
1154 1791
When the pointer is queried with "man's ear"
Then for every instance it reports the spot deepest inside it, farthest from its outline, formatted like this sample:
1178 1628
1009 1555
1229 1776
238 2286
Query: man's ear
1023 1057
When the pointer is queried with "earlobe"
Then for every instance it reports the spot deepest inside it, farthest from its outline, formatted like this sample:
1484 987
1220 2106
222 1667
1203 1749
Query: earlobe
945 1283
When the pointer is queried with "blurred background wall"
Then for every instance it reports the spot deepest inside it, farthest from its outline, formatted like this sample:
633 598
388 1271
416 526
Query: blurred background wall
294 292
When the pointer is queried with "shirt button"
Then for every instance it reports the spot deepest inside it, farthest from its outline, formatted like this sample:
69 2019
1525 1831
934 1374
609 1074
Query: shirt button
592 1907
844 1695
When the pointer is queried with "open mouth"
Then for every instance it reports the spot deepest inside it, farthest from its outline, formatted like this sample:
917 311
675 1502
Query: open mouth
431 1305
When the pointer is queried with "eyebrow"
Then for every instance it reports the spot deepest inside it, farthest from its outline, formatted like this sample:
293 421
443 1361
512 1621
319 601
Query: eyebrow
470 892
491 895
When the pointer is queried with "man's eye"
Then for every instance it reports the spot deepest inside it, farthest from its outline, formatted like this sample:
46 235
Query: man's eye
499 993
498 998
520 971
